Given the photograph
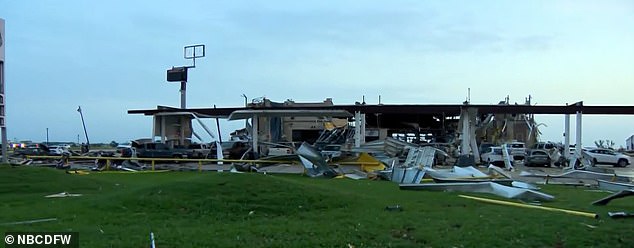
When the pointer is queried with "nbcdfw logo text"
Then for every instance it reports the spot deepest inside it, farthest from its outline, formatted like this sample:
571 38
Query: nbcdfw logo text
41 239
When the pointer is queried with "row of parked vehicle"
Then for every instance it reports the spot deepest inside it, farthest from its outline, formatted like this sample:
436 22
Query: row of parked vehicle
41 150
543 154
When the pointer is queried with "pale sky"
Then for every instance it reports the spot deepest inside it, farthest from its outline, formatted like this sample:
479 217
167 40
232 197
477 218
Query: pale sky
111 56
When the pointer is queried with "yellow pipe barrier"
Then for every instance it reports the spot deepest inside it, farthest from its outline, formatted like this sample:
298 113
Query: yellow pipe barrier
200 166
198 160
573 212
153 165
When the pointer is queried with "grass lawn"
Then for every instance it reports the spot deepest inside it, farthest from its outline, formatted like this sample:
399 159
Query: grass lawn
210 209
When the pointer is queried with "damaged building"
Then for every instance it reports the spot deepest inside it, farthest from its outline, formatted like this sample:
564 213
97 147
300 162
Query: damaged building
462 125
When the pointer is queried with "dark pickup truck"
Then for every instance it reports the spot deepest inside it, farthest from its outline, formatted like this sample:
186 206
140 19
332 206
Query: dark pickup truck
32 150
158 150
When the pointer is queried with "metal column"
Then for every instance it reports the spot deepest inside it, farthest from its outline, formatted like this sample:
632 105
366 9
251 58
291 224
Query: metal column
362 129
163 130
465 140
578 145
255 134
567 137
357 129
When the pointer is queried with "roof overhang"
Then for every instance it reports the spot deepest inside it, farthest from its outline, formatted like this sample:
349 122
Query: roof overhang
247 114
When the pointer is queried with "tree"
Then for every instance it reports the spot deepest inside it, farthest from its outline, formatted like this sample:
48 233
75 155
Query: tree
113 143
607 144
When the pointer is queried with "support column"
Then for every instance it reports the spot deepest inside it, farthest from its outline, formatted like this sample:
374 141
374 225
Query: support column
162 130
254 135
472 136
465 146
578 145
362 129
567 136
182 131
357 129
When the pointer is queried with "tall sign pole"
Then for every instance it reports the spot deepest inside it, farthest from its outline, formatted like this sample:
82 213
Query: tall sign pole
3 124
179 74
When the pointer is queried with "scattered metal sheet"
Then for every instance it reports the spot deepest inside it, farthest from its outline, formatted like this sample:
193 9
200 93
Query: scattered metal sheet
483 187
524 185
422 156
614 186
600 170
355 176
63 194
411 175
580 174
620 194
457 172
493 170
465 175
314 162
620 215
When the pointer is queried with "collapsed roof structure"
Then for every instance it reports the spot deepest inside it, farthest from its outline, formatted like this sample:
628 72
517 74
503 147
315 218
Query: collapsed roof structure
418 123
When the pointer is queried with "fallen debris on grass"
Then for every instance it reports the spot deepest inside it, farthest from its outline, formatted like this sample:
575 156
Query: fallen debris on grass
63 194
28 222
614 186
573 212
580 174
615 215
483 187
620 194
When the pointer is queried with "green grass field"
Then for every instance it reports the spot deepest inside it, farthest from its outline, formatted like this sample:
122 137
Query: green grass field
210 209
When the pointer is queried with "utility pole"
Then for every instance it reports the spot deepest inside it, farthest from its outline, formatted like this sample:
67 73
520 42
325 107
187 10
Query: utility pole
47 136
85 132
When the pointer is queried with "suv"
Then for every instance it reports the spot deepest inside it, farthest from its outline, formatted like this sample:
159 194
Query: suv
493 155
607 156
517 150
537 157
543 146
196 150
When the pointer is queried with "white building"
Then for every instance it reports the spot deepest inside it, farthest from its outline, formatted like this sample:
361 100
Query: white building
629 143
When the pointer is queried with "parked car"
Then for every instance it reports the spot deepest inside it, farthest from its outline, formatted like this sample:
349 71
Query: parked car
32 150
484 147
543 146
537 157
607 156
57 150
517 150
157 150
493 155
198 150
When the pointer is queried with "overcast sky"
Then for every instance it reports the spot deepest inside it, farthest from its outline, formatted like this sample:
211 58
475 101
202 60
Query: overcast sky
111 56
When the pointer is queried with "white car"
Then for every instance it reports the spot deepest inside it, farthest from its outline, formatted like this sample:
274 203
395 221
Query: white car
517 150
607 156
57 150
493 155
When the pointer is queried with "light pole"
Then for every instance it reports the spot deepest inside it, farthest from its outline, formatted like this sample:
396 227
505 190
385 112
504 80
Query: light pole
47 136
246 121
85 132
